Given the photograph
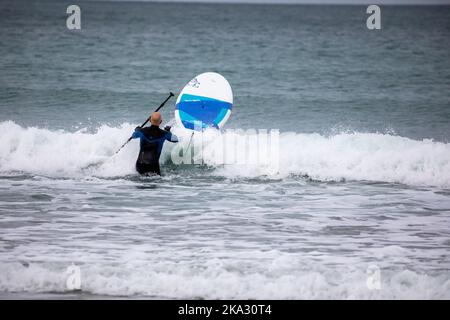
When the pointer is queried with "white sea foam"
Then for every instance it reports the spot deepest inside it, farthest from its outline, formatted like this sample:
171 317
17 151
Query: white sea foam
217 279
349 156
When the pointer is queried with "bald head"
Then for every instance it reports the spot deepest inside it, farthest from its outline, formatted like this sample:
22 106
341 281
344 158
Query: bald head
156 119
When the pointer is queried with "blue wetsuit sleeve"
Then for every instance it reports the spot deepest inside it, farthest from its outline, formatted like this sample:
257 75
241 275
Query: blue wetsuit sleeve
137 134
171 137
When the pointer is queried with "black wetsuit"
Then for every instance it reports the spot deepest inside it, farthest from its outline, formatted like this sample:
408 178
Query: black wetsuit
152 141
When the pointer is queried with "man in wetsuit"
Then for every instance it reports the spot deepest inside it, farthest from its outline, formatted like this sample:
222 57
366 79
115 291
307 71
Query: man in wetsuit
152 141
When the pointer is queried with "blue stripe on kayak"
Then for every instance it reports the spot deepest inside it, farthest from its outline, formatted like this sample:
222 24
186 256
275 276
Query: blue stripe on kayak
220 116
208 111
191 98
190 122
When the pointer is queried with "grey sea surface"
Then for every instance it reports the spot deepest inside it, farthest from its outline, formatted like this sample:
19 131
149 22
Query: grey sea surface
358 208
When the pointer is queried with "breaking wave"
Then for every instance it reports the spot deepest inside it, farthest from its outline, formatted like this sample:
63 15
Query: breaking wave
180 281
344 156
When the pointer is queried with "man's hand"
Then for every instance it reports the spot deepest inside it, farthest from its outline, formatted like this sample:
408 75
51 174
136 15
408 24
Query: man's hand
167 128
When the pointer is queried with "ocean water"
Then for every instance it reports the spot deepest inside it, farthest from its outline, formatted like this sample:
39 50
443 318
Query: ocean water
363 181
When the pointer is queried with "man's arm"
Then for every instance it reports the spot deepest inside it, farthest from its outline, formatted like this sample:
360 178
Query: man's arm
170 136
137 133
